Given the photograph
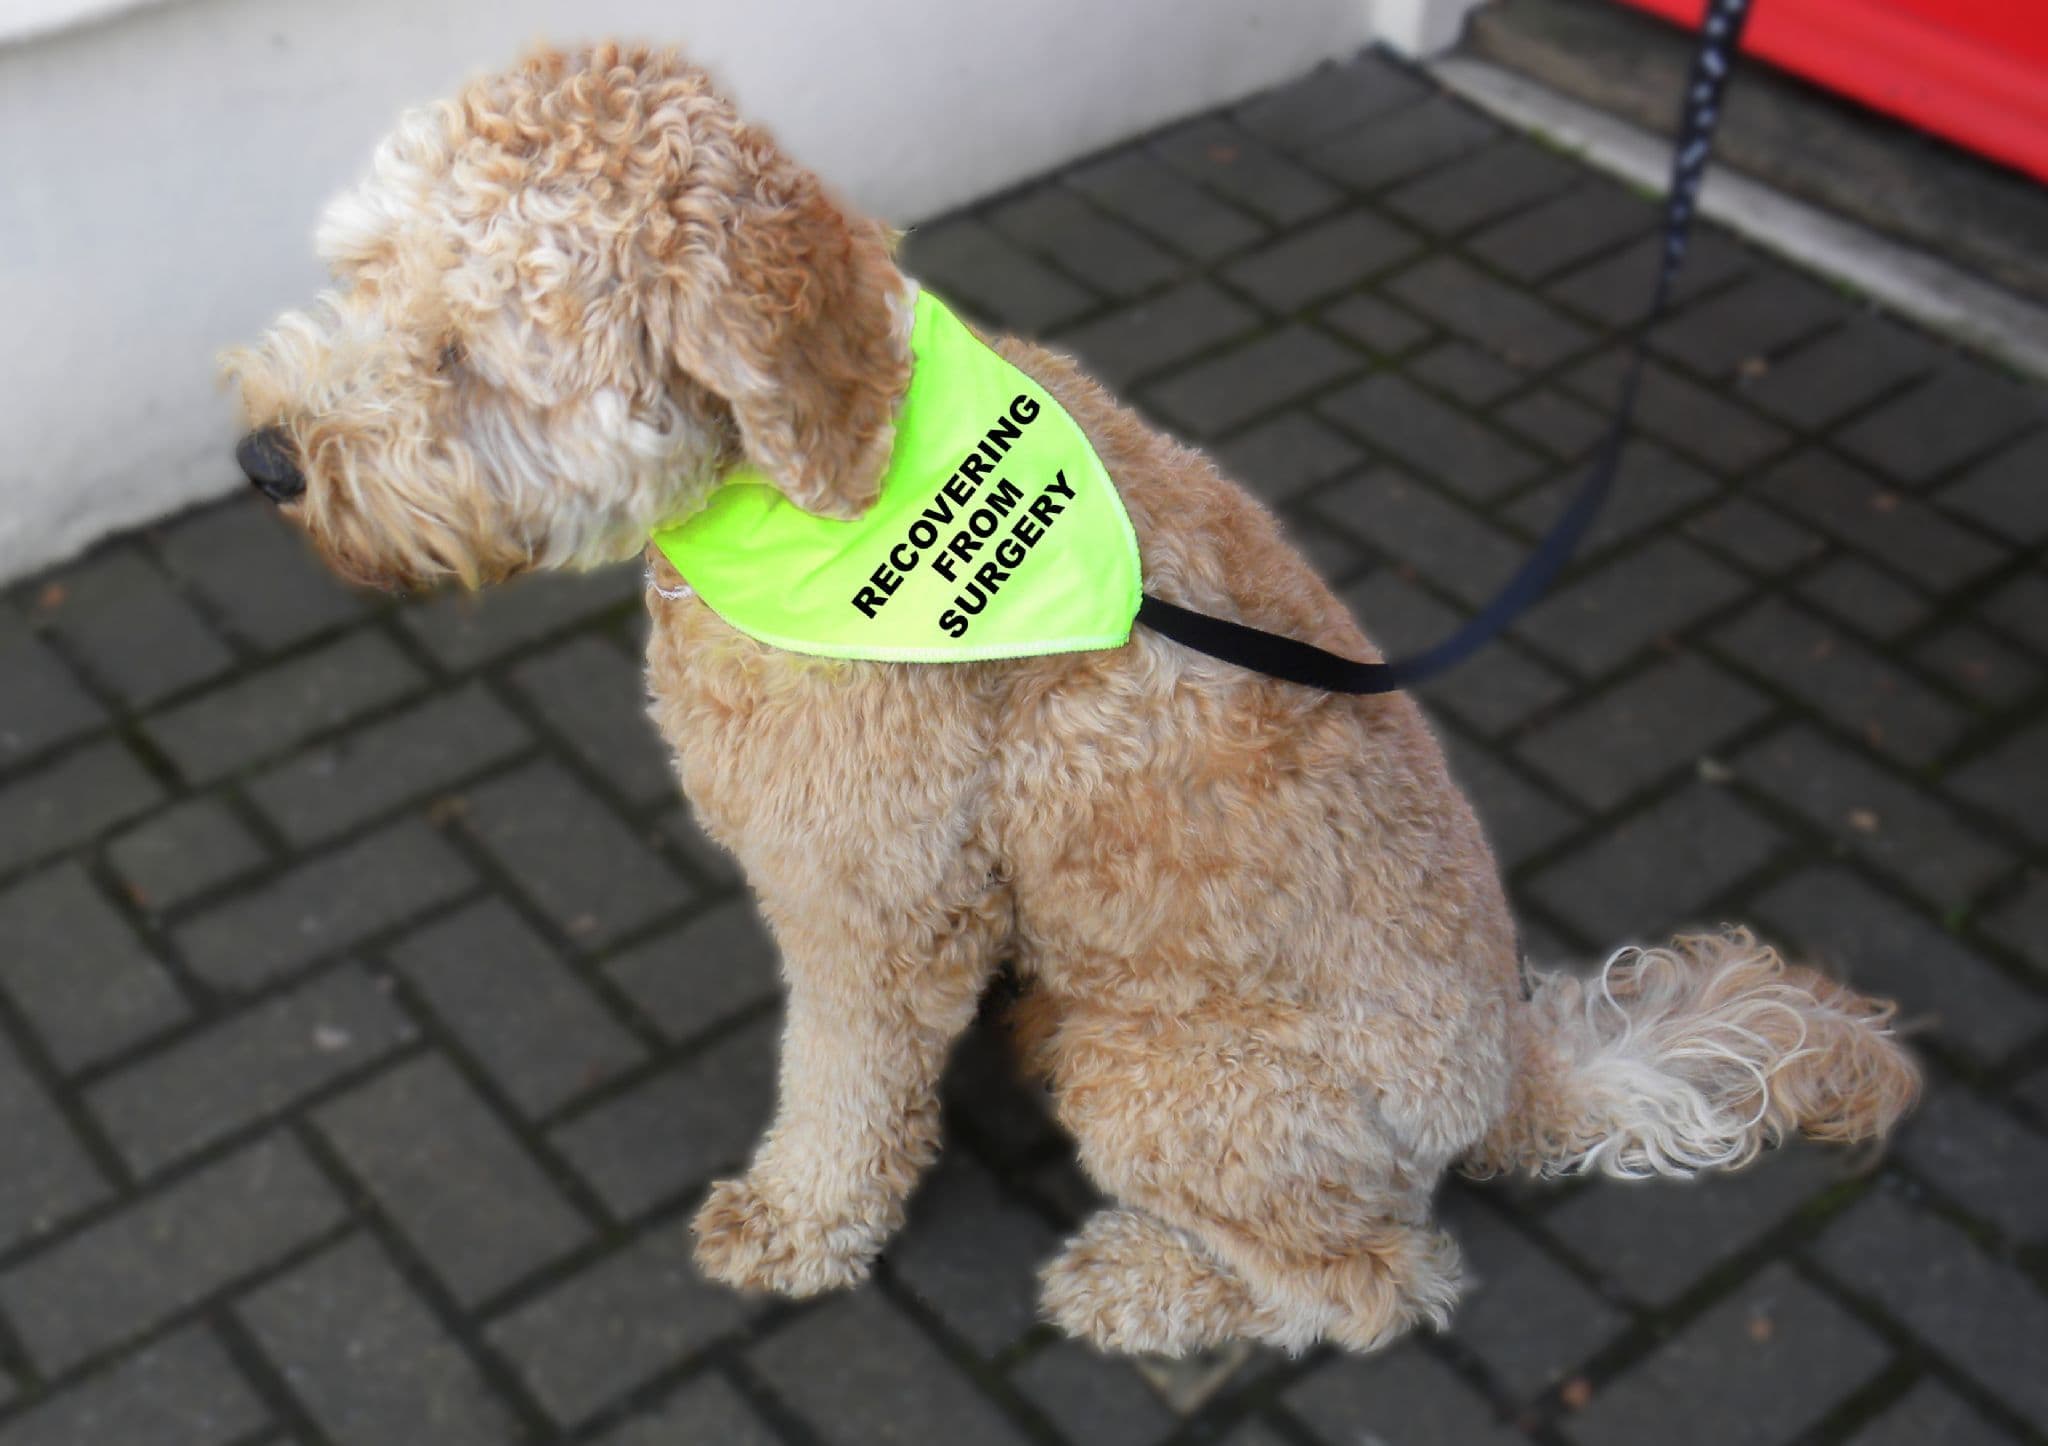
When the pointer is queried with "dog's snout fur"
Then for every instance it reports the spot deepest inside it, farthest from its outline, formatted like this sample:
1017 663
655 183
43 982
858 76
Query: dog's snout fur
268 460
1272 976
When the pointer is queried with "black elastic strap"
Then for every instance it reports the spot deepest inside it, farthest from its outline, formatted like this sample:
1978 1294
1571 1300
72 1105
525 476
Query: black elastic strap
1297 662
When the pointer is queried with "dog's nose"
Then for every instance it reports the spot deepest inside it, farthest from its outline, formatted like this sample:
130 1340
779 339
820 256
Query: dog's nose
265 457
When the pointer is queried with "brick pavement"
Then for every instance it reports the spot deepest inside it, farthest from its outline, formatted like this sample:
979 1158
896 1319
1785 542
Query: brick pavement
371 1015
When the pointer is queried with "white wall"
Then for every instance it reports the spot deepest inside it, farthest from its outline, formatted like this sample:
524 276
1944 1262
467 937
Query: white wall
160 170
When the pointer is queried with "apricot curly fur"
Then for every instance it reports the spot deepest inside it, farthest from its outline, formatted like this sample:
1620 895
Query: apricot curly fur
1272 975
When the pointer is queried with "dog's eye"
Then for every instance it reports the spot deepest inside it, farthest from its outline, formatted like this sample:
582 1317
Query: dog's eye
451 357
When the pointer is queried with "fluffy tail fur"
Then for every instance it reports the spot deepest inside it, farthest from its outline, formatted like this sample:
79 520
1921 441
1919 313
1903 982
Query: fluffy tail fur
1693 1057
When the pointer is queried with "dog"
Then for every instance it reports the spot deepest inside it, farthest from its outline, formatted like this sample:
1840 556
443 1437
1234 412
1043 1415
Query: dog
1271 976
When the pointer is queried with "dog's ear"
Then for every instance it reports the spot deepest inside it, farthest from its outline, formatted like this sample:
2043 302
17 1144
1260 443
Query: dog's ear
790 310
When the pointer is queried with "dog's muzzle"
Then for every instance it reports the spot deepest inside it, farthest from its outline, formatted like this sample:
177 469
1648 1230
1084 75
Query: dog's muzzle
266 459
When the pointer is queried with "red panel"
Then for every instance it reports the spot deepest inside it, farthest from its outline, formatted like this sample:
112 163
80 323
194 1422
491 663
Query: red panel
1975 71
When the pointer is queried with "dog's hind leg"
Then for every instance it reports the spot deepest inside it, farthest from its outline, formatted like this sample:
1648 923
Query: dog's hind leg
1250 1206
1131 1282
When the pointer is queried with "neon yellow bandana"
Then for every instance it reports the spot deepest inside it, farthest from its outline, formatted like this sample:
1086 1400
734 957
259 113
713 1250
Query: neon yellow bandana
998 533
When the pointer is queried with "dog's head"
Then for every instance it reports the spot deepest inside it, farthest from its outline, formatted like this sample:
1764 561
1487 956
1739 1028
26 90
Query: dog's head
565 304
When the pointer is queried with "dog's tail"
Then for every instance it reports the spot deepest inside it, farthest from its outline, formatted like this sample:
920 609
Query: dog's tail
1693 1057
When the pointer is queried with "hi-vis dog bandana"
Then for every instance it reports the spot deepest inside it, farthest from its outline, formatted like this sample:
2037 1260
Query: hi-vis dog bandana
998 533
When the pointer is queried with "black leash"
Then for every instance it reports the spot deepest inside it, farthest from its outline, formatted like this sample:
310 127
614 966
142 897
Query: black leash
1298 662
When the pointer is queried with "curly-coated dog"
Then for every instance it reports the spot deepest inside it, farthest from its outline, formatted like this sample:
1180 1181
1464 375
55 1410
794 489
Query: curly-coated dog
1272 978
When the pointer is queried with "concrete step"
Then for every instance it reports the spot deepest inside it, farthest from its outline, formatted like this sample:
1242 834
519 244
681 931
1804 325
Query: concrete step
1814 146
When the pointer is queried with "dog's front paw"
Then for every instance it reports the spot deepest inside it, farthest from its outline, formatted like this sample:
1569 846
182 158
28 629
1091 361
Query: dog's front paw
751 1243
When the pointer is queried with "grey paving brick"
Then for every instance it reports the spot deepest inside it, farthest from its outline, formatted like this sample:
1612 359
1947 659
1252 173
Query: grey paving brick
1393 414
78 972
45 1173
71 800
43 703
463 630
323 906
1762 315
1226 390
1693 418
439 1162
689 840
527 1019
1312 262
1982 1316
1237 165
1653 1240
1401 1394
1655 724
1147 336
671 1133
131 629
974 267
1057 223
1413 139
1258 1432
971 1256
2008 492
1979 664
1498 689
1904 533
617 1323
1651 872
1651 487
1582 221
1331 554
1760 1367
210 1084
1477 188
1095 1400
184 850
707 1410
1451 546
1616 288
1902 829
1522 1313
1829 377
2011 780
179 1391
262 714
1833 918
1158 200
1512 324
1374 323
595 697
861 1375
257 573
1962 410
1604 617
1519 819
583 866
1329 99
693 977
1929 1413
367 1358
1982 1158
166 1251
1466 372
2021 922
1842 679
1554 421
1755 537
1859 594
336 785
2020 607
1282 458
